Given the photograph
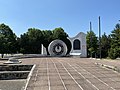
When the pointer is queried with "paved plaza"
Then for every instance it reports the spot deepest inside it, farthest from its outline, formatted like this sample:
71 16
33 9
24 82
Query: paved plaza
67 74
72 74
12 84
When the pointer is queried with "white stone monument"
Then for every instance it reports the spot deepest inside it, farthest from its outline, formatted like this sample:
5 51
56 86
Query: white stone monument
57 48
43 51
78 45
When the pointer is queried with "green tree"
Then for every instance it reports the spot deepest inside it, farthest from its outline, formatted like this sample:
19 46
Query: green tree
105 45
35 40
30 42
24 43
59 33
47 38
115 43
92 45
7 40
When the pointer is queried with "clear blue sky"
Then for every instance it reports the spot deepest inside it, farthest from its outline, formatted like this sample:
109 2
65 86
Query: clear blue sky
72 15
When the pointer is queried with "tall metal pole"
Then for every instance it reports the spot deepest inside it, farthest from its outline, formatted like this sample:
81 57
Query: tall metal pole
90 33
90 26
99 37
90 37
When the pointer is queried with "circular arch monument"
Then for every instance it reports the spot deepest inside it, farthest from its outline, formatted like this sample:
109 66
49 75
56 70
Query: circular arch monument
57 48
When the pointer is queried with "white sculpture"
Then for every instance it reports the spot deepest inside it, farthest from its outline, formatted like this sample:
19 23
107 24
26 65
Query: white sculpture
57 48
78 45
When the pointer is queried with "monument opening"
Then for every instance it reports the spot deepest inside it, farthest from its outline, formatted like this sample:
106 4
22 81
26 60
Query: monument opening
76 45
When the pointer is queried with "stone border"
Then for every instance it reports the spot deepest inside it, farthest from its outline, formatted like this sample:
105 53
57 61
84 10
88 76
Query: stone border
115 68
29 77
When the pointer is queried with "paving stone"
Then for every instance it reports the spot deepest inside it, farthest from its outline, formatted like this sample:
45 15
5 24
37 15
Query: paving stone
58 87
73 87
41 88
92 74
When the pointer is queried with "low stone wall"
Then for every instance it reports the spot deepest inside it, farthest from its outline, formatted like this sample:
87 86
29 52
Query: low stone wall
13 75
8 72
15 67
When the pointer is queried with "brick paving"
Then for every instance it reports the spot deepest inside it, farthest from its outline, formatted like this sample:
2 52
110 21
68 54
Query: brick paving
71 74
12 84
114 63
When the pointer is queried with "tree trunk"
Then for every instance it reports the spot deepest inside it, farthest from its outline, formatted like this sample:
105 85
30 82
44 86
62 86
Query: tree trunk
2 55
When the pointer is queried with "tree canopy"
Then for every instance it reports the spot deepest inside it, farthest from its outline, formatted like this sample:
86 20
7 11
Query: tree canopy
30 42
59 33
105 45
115 43
92 43
7 40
